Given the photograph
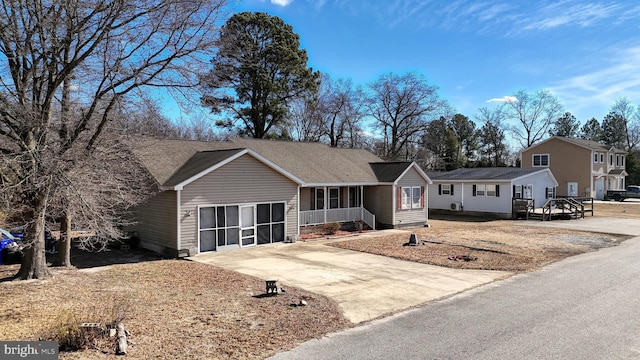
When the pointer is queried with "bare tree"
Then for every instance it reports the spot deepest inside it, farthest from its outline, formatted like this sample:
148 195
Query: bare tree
402 106
305 120
630 114
105 51
341 109
533 114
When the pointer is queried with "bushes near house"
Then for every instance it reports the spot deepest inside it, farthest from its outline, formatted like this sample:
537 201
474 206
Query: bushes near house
331 228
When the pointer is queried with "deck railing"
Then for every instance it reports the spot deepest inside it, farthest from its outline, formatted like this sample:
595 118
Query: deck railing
318 217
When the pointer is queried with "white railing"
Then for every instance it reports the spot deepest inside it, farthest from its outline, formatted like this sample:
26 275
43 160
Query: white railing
318 217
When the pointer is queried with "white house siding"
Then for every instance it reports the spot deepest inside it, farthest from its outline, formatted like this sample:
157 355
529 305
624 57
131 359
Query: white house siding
444 201
499 205
413 217
156 223
379 201
487 204
242 181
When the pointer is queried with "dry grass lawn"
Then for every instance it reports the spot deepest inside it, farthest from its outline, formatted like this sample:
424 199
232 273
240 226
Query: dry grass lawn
628 209
173 310
492 245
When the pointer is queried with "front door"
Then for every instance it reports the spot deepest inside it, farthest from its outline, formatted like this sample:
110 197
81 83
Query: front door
599 185
247 225
572 189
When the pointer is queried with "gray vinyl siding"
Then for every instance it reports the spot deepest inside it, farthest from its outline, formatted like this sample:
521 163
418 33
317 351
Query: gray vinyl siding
242 181
157 222
379 201
305 199
413 216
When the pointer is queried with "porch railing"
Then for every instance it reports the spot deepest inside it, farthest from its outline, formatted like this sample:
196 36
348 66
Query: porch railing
318 217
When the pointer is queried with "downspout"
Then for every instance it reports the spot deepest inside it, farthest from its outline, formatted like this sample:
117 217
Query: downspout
179 226
394 196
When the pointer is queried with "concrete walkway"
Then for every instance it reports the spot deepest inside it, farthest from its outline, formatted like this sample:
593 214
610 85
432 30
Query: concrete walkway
365 286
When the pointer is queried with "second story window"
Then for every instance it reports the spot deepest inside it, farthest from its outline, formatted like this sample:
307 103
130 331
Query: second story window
540 160
602 158
595 157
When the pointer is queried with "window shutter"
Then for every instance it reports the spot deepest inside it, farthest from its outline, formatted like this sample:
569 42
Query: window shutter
422 197
497 190
399 198
451 189
439 189
513 194
474 190
341 197
313 198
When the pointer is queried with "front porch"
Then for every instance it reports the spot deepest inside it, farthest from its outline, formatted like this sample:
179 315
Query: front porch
321 205
319 217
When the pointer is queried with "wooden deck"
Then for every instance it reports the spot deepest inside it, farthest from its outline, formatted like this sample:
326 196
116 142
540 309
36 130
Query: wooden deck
560 208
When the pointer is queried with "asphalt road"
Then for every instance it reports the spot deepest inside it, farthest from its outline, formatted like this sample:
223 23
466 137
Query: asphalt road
585 307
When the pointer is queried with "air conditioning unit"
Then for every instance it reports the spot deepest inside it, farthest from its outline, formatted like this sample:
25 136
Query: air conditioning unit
456 206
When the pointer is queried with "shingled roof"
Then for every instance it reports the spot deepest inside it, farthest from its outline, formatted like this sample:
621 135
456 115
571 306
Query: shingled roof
316 163
389 171
171 162
483 174
589 144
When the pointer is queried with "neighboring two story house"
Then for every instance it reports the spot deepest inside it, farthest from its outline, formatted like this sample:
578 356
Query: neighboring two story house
581 167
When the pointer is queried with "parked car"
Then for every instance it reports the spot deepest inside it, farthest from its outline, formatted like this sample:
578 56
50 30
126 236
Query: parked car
9 249
632 192
49 240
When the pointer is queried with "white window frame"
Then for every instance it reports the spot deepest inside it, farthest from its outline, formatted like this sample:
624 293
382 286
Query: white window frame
550 193
518 192
408 197
271 223
540 162
415 203
595 157
336 199
602 158
490 190
445 189
481 189
610 159
320 198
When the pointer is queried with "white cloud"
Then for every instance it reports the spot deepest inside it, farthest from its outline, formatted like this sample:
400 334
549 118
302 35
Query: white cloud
504 99
281 2
598 89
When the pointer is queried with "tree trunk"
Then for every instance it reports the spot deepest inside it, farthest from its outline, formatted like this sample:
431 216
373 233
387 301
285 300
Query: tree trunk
34 260
63 257
121 346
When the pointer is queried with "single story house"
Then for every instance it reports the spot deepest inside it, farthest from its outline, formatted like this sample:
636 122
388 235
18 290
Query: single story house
483 191
215 196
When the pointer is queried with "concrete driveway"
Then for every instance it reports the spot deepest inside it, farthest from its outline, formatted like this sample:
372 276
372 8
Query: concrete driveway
365 286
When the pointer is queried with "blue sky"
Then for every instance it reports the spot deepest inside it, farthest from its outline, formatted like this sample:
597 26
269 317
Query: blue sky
477 52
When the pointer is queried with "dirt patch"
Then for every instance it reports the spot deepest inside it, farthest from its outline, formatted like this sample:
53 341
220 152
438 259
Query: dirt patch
486 245
173 309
